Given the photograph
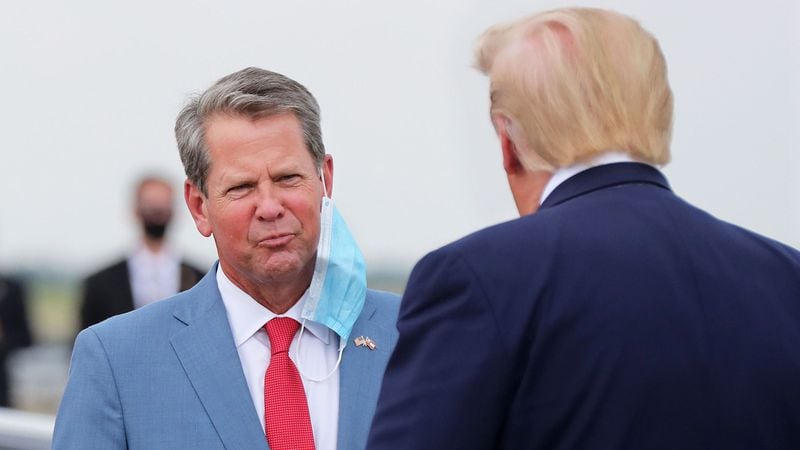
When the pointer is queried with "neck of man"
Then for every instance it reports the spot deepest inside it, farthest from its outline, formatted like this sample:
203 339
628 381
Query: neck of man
277 295
280 298
153 245
527 188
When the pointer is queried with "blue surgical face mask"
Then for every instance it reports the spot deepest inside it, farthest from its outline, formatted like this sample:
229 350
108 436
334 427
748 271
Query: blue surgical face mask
339 285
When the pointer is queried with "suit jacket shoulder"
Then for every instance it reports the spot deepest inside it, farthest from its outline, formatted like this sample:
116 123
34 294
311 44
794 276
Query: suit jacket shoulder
112 272
106 293
617 316
163 376
386 304
190 275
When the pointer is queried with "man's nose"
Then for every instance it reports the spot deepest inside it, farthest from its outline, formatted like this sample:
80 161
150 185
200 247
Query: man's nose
269 205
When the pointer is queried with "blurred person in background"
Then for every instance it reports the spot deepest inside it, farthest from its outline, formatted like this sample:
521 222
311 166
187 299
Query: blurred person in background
281 345
613 314
153 271
14 329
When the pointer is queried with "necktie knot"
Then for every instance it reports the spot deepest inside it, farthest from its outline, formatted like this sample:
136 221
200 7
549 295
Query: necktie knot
281 331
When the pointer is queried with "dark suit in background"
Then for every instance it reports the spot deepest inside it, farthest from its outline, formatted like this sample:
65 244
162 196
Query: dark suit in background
108 291
14 329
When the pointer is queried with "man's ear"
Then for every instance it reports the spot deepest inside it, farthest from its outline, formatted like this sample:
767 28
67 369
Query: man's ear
327 171
511 162
197 203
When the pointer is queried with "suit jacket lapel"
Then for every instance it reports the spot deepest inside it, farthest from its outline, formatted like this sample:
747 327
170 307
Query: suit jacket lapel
208 354
361 377
604 176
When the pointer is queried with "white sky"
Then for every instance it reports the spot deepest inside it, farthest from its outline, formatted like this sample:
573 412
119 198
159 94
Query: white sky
90 91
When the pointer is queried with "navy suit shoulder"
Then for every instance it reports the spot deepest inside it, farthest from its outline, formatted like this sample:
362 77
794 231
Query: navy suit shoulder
617 316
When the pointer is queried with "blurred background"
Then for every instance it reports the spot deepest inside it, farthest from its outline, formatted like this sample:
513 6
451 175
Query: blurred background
90 91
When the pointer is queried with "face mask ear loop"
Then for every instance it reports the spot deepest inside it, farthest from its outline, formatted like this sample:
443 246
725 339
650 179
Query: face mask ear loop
324 187
298 359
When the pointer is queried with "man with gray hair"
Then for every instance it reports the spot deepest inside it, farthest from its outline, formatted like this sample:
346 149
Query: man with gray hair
613 314
280 345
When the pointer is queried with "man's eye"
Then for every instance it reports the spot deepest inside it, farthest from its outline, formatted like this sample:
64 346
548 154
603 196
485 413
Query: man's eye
290 177
240 188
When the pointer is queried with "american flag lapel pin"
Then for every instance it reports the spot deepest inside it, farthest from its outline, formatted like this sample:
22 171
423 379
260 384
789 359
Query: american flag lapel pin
362 341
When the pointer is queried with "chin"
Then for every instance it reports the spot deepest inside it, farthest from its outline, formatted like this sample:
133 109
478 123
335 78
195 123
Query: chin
283 269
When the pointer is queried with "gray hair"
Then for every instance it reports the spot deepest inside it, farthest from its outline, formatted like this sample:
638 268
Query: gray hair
253 93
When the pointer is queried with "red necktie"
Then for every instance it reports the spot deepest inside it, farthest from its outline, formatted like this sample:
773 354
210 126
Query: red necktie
288 424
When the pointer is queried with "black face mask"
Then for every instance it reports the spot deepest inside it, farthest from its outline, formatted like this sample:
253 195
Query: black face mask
154 222
154 229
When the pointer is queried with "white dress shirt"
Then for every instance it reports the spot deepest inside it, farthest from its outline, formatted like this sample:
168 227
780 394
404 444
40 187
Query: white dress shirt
561 175
153 276
320 351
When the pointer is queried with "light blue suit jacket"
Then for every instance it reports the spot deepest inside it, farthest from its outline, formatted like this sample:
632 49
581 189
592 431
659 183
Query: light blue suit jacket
168 376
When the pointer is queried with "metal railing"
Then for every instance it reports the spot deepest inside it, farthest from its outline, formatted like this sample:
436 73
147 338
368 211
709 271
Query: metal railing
20 430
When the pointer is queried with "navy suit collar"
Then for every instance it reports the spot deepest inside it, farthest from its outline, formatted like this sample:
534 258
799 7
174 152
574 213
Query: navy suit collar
605 176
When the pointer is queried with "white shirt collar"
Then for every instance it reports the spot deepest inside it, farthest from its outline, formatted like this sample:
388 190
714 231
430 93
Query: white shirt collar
153 275
143 255
561 175
246 316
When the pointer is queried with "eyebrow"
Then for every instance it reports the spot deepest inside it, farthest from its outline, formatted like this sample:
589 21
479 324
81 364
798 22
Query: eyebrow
231 179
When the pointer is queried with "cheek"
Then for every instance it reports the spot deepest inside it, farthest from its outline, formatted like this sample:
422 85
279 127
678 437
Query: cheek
307 213
231 223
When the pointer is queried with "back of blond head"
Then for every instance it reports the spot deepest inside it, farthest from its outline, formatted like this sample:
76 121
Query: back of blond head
576 83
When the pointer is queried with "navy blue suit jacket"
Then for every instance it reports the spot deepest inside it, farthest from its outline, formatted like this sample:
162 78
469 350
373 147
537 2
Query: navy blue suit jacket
616 317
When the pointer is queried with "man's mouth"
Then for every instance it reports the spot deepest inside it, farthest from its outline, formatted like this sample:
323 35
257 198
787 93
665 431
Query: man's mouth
276 240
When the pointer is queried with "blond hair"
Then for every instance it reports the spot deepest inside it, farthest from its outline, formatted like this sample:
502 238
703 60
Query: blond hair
576 83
